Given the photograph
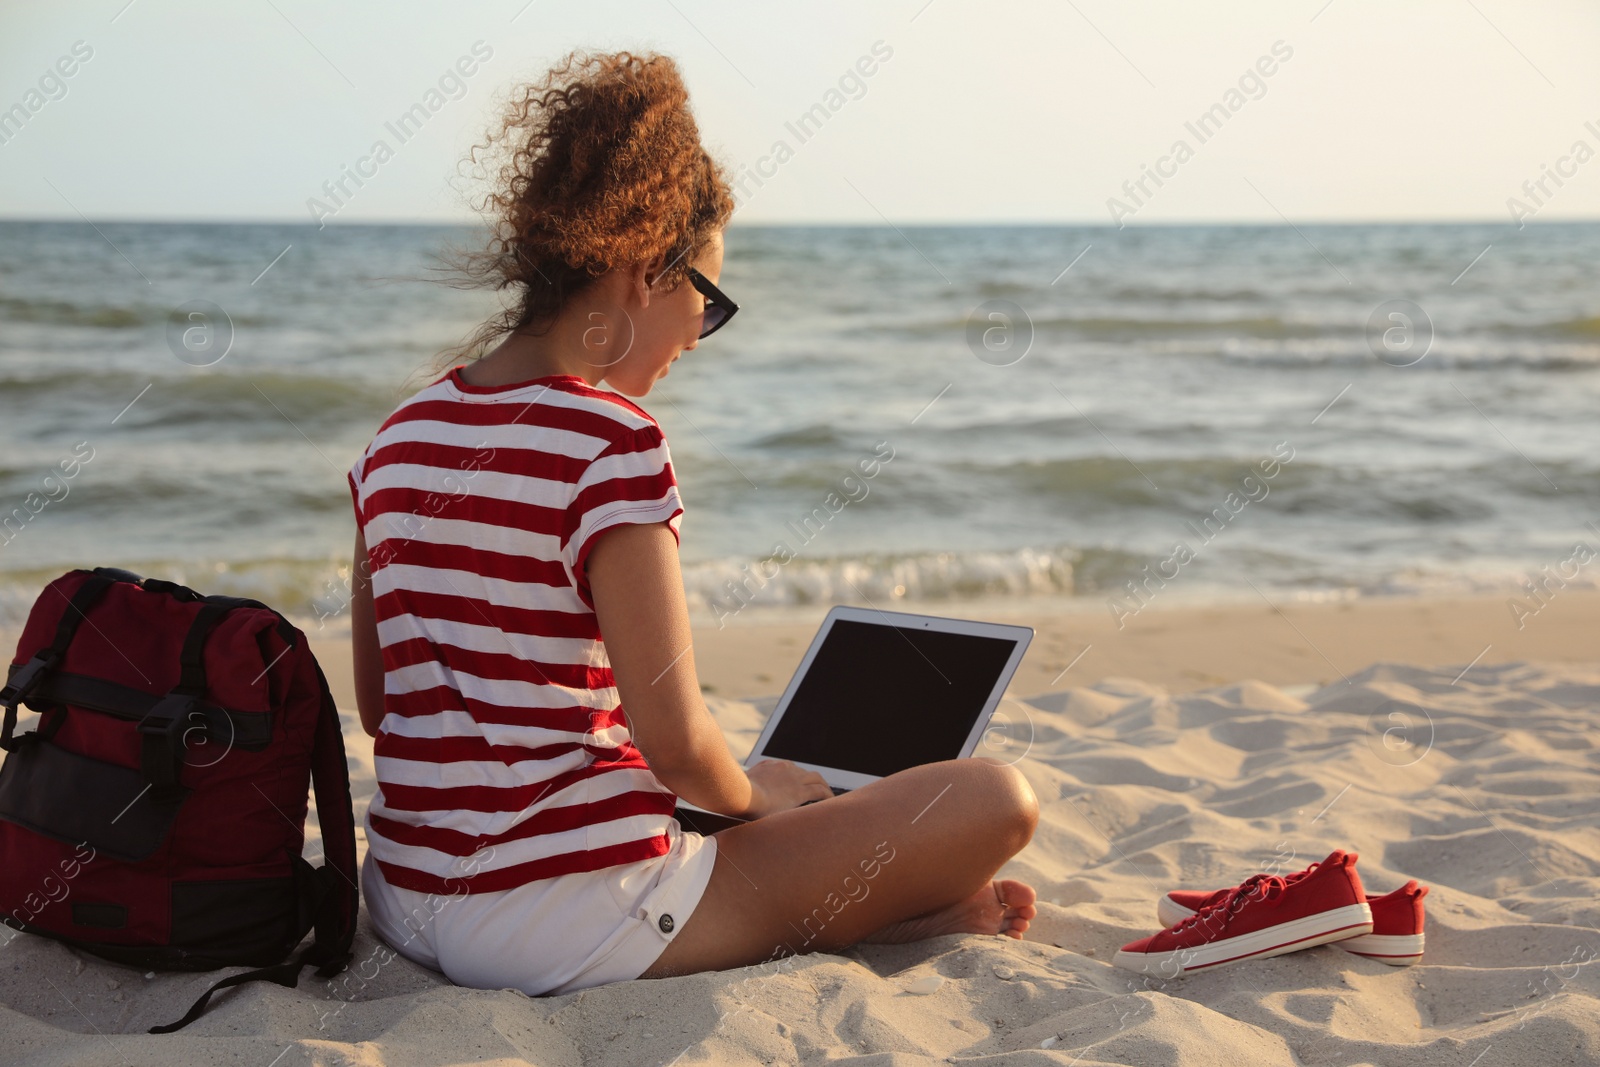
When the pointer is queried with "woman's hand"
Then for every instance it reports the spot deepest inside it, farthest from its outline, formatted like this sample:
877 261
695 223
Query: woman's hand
778 785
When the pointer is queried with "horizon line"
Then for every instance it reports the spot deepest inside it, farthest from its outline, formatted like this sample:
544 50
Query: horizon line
816 224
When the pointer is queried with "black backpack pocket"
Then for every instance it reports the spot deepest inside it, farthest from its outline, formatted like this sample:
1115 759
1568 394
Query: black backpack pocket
75 799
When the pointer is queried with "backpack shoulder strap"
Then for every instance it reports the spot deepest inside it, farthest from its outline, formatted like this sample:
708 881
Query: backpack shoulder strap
23 679
330 777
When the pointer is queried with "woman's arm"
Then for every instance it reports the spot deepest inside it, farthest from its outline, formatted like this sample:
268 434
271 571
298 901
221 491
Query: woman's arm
638 601
366 653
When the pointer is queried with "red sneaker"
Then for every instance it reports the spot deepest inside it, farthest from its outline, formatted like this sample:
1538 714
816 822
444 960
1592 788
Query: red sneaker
1396 937
1397 919
1264 915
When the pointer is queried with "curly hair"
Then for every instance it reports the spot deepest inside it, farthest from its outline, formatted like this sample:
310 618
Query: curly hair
599 164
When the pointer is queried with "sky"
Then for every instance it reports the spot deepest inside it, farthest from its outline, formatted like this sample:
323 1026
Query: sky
929 111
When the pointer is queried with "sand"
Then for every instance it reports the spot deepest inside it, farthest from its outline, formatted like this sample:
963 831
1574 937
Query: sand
1200 746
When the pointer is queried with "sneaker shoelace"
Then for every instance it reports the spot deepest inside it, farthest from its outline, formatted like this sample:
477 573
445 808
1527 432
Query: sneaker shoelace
1265 887
1286 880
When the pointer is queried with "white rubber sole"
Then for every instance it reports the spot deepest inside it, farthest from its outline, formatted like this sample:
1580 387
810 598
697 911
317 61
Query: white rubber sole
1352 920
1397 950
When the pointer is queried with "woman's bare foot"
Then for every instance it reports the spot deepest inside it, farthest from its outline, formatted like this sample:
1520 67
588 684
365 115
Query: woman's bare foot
981 913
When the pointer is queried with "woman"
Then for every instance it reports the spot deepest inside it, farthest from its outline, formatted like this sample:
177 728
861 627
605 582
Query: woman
517 587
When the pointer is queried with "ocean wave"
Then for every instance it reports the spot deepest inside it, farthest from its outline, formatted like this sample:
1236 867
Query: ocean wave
314 593
1102 482
1126 327
96 315
1563 344
308 590
723 587
1472 353
1266 326
318 589
815 435
50 385
65 313
1587 326
990 288
1175 293
225 501
1109 488
262 404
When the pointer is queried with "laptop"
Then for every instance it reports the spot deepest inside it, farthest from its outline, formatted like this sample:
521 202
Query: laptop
882 691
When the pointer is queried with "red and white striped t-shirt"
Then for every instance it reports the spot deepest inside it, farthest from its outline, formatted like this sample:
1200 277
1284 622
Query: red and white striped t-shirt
504 756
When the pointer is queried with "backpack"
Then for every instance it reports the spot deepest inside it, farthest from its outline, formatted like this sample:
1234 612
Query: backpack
156 815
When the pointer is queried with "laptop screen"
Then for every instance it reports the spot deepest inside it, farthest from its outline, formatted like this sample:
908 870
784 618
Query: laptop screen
878 699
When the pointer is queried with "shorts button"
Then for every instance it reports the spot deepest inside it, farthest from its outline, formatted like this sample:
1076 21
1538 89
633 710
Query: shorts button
665 922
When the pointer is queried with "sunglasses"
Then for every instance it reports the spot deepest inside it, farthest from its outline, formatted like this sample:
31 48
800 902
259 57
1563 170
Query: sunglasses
719 309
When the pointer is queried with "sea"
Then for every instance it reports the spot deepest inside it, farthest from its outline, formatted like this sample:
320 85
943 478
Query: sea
922 418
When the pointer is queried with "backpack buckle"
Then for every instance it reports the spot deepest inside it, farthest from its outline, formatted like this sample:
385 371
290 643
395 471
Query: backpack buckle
17 689
26 677
161 745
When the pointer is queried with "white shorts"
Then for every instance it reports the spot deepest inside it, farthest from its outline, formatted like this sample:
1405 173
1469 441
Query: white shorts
553 936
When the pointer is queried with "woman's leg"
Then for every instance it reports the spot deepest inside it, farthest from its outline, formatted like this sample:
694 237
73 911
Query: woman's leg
909 856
